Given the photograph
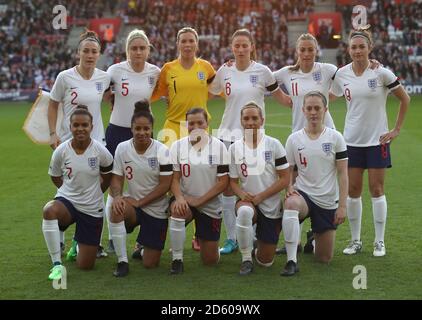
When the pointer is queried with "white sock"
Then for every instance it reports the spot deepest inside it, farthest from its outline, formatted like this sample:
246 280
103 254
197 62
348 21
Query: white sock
118 234
229 216
354 214
291 229
244 231
61 236
254 232
109 202
379 210
50 229
177 237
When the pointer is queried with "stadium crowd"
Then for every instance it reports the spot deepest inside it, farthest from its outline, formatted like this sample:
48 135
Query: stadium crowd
32 53
398 37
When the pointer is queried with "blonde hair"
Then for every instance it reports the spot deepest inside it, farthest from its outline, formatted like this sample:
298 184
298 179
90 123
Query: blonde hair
246 33
135 34
363 33
303 37
187 30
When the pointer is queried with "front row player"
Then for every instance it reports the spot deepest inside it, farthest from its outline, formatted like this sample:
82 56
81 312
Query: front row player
143 163
200 164
320 155
259 162
81 170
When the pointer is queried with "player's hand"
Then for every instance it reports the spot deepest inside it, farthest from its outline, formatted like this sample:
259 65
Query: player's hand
340 215
132 202
119 205
374 64
247 196
389 136
287 100
192 201
290 191
180 208
54 141
257 199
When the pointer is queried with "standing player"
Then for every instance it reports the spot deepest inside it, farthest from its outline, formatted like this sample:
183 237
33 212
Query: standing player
81 170
259 163
367 135
143 163
200 164
133 80
320 154
243 81
82 84
184 81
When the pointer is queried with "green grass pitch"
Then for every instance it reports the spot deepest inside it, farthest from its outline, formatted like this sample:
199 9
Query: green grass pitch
25 187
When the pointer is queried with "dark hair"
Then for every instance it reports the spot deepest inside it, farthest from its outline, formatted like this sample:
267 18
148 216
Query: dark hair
142 109
89 35
315 94
196 111
246 33
364 33
252 105
81 110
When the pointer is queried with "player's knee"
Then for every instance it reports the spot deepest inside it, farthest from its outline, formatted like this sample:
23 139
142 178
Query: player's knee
115 218
355 191
324 258
376 191
292 203
151 264
210 260
244 216
264 261
86 265
50 211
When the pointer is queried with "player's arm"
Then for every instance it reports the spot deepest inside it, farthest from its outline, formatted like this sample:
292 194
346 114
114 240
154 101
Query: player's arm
282 98
238 191
58 181
52 112
161 189
281 183
219 187
181 206
116 190
404 99
343 183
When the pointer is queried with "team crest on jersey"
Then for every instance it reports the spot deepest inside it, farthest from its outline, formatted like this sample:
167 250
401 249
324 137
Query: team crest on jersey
93 163
99 86
253 78
201 75
327 147
151 81
317 76
372 83
268 155
153 163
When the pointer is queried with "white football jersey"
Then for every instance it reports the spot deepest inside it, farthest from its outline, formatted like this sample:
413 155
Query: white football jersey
239 88
257 170
81 175
142 173
200 169
298 84
316 163
130 87
366 98
71 89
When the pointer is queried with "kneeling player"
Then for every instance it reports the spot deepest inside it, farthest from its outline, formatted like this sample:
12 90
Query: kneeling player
259 162
81 169
200 165
143 163
320 154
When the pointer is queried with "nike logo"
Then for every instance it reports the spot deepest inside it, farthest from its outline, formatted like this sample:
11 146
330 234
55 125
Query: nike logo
125 79
184 159
73 88
66 163
293 79
346 84
300 149
225 79
172 77
128 161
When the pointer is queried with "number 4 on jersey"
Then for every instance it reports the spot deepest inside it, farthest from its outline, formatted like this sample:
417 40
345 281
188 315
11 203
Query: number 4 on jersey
303 161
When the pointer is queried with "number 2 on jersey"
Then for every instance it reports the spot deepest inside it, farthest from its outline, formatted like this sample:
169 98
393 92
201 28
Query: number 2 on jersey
74 95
